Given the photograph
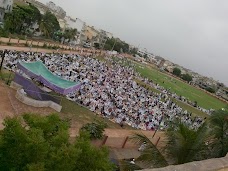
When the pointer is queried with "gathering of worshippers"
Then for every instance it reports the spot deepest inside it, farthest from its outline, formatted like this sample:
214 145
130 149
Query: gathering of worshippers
111 90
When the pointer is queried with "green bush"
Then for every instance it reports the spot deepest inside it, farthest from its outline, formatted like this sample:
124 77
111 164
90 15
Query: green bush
21 37
95 129
211 90
38 143
3 33
177 72
186 77
45 45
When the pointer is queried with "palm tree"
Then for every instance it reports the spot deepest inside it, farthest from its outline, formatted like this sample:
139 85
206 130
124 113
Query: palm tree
218 125
182 144
49 24
150 156
70 34
45 28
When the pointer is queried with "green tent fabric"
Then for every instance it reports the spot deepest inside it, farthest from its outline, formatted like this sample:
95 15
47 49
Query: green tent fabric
38 71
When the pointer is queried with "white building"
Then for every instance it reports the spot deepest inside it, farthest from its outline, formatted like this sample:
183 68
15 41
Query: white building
143 53
5 7
109 35
56 9
79 25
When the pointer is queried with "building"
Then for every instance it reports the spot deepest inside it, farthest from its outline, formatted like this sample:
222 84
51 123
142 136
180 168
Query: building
6 6
109 35
56 9
144 53
62 23
222 92
91 33
40 6
79 25
102 38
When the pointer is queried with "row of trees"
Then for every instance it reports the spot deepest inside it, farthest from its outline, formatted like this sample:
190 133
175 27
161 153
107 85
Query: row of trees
37 143
117 45
186 77
24 17
183 144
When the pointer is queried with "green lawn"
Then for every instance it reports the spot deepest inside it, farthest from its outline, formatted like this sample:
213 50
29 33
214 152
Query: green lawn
203 99
194 111
6 76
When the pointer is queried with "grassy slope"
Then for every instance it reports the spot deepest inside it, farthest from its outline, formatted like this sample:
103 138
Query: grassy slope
203 99
84 115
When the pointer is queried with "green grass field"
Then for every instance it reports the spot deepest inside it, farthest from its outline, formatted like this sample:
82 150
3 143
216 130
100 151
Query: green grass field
179 87
194 111
203 99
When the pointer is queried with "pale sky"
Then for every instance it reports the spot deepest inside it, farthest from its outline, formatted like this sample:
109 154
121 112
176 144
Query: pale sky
191 33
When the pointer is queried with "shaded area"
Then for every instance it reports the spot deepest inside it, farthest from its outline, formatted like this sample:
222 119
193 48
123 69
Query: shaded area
38 71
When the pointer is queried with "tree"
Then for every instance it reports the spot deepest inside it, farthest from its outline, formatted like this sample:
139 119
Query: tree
186 77
134 51
210 89
21 18
49 24
117 45
218 125
177 72
183 144
95 129
70 34
91 158
42 143
96 45
145 56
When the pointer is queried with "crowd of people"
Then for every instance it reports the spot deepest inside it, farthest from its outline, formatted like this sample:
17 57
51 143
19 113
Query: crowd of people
110 90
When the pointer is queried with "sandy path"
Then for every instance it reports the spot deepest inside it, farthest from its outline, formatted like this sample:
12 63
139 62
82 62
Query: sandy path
6 109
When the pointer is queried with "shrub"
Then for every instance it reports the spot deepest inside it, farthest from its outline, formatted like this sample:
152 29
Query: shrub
95 129
186 77
211 90
45 45
177 72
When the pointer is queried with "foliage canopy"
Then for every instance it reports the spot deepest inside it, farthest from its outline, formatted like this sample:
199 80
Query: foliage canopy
42 143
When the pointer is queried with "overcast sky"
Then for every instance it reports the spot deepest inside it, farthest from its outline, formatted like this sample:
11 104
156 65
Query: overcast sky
192 33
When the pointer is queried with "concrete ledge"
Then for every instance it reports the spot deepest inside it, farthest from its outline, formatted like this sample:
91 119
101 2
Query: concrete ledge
216 164
15 86
36 103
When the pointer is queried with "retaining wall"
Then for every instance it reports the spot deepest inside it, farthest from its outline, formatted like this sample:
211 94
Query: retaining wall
31 102
217 164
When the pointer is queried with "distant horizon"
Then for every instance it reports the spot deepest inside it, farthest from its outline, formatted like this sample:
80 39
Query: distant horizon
191 34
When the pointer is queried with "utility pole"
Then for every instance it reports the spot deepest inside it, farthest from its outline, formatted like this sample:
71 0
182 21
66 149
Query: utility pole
113 45
3 56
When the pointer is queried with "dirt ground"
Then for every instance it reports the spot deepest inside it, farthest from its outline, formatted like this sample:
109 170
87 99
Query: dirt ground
10 106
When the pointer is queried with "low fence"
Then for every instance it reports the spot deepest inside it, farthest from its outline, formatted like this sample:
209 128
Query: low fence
51 45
